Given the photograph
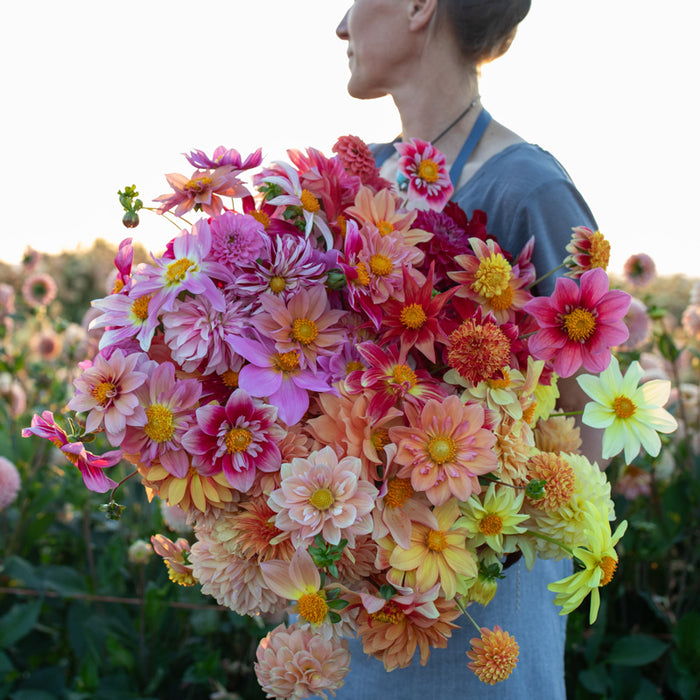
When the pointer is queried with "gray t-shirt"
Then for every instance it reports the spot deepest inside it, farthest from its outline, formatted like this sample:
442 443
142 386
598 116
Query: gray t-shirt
524 192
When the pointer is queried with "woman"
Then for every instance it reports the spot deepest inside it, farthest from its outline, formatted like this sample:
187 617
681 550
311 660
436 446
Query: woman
426 54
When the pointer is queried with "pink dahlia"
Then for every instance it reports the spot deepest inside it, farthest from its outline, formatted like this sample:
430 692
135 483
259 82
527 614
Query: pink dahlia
639 269
294 663
444 449
578 326
638 324
196 334
224 157
168 406
691 320
90 465
321 494
10 482
357 158
123 261
277 376
237 438
424 167
106 390
236 238
306 323
39 289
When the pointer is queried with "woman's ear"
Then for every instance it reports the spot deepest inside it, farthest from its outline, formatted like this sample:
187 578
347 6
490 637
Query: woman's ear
420 13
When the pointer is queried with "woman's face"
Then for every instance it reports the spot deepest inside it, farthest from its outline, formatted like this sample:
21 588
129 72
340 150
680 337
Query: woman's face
378 44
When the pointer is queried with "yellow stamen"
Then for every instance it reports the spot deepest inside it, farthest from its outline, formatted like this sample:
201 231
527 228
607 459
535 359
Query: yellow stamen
624 407
428 170
322 499
286 361
380 438
441 449
230 379
103 392
435 541
309 202
177 270
403 373
118 286
160 426
261 217
398 492
390 613
380 265
362 275
139 307
313 608
600 251
579 325
304 331
492 277
413 316
277 284
237 440
609 566
491 524
198 184
502 383
352 366
502 301
180 577
385 227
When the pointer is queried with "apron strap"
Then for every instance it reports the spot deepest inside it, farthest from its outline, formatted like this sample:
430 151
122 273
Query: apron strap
482 121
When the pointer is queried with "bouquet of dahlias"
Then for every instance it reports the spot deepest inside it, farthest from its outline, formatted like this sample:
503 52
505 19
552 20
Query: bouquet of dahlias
350 393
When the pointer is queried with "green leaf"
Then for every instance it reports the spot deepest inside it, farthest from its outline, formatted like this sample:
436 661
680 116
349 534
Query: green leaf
636 650
339 604
334 617
30 694
18 622
595 679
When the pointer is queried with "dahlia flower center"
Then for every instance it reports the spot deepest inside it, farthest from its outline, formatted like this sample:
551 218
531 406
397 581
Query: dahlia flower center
403 373
579 325
441 449
237 440
322 499
428 170
198 184
304 330
380 438
491 524
309 202
230 379
492 277
504 300
385 227
182 578
380 265
277 284
353 365
398 492
160 426
362 275
413 316
608 566
103 392
391 613
176 271
287 361
436 541
118 286
139 307
261 217
500 383
313 608
529 412
600 251
624 407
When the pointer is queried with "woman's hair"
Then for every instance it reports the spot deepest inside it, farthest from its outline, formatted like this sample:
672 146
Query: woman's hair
484 29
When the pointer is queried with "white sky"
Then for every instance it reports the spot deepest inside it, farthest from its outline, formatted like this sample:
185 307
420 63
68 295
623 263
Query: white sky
103 95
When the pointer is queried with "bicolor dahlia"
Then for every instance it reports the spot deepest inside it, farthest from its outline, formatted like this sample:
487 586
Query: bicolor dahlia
631 415
90 465
105 390
587 249
424 168
444 449
323 495
493 656
578 326
295 663
174 555
237 438
10 482
168 406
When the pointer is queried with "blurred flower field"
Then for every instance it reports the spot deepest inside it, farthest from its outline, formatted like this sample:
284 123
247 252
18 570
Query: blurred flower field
88 610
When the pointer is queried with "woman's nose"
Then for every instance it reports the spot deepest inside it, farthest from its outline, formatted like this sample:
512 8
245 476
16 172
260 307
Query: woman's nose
342 29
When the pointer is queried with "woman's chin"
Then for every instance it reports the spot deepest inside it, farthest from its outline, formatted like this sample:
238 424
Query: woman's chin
362 91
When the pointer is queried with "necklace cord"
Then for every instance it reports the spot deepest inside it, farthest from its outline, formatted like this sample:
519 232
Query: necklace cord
455 122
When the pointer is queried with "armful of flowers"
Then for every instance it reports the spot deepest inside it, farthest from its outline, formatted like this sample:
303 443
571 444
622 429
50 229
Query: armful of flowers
350 394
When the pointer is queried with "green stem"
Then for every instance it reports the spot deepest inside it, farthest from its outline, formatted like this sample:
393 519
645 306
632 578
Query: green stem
544 277
547 538
124 480
565 413
461 606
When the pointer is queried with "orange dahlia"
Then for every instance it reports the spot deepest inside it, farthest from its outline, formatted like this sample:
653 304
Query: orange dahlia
493 656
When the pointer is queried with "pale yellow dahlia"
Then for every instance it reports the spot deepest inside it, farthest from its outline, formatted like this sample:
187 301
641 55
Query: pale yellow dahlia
558 434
